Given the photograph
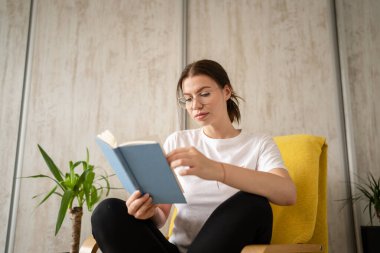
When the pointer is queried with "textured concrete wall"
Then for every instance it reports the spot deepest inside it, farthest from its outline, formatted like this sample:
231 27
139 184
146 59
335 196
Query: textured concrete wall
281 59
14 17
95 65
360 42
114 64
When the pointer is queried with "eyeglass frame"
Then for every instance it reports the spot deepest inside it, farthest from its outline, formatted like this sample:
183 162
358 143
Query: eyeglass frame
185 104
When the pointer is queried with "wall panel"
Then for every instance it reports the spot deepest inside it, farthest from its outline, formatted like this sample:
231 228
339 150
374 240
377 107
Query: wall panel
96 65
14 17
281 58
360 42
114 64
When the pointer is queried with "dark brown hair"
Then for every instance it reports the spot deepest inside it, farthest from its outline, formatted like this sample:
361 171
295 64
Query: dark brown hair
216 72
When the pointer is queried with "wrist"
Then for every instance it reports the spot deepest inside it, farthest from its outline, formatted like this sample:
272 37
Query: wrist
222 177
157 218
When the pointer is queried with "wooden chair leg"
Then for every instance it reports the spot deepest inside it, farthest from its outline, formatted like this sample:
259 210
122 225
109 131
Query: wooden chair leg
89 246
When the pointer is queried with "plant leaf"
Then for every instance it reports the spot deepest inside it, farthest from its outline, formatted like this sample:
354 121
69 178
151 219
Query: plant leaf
72 174
79 188
87 186
94 197
50 163
45 176
80 181
65 203
48 195
108 186
87 156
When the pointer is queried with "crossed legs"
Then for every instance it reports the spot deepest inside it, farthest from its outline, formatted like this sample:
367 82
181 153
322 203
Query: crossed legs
241 220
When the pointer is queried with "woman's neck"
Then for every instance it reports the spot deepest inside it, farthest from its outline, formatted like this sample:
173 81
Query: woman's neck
221 132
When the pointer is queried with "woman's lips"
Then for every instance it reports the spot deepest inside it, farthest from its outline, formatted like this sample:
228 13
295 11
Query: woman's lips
201 115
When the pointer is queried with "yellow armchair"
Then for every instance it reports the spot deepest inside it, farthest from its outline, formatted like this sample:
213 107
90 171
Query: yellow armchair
302 227
298 228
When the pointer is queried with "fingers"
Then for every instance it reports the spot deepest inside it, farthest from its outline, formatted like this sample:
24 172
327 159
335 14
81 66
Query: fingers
140 206
182 157
186 172
176 154
195 162
181 162
145 210
133 197
178 151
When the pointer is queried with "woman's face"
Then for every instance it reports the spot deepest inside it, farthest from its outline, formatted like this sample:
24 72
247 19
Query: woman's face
205 100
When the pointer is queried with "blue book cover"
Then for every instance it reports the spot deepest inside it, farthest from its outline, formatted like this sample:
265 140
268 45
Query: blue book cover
142 166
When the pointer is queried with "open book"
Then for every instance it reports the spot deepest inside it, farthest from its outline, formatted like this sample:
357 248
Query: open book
142 166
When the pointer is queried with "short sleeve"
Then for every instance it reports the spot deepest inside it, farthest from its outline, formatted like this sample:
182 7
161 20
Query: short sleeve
170 143
269 156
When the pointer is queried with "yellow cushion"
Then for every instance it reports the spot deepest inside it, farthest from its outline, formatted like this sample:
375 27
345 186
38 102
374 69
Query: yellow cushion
171 224
301 154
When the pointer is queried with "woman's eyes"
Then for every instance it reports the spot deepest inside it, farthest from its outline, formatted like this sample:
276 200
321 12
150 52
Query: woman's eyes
204 94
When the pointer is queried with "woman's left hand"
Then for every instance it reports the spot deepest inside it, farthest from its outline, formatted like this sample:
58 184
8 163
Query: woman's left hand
198 164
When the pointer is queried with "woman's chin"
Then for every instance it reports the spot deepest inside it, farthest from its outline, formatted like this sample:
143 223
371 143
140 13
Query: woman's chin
202 123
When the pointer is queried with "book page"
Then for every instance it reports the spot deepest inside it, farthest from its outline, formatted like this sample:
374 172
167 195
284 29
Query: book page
108 137
133 143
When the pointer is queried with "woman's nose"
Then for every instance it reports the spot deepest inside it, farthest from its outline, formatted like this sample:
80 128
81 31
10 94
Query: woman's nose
196 103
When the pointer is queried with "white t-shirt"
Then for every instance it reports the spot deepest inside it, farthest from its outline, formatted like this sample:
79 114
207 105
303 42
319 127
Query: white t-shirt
255 152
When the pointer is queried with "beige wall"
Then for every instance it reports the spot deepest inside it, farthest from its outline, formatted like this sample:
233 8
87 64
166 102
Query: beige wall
363 54
114 64
14 17
94 65
359 34
281 59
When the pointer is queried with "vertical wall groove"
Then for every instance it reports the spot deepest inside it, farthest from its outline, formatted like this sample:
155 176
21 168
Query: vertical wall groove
183 114
20 138
346 119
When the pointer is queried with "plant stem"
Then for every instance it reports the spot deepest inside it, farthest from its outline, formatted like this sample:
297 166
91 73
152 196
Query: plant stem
76 214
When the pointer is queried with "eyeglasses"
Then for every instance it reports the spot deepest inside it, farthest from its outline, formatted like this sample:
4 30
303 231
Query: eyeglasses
186 101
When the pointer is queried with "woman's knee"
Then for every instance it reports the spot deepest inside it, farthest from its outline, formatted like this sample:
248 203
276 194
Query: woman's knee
108 212
257 205
247 208
250 201
258 200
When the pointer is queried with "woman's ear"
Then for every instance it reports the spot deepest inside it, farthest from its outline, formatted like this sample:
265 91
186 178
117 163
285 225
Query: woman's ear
227 91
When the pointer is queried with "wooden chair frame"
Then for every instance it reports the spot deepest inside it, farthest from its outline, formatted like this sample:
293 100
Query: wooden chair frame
90 246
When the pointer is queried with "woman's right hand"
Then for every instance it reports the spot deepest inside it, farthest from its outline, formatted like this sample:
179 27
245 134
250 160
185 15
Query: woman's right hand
141 206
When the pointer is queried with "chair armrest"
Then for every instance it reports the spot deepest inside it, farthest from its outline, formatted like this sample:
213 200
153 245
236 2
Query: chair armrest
89 246
282 248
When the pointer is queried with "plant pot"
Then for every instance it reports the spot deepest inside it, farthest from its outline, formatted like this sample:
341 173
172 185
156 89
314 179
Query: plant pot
370 239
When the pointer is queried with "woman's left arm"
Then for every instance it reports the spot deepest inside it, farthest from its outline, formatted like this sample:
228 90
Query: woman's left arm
276 185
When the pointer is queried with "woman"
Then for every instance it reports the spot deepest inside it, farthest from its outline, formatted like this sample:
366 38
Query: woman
228 176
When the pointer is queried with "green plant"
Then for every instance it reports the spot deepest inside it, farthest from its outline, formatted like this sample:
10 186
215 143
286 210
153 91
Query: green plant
370 192
86 187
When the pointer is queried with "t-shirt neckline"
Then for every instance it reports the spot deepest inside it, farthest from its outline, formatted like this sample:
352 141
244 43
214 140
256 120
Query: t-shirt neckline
225 140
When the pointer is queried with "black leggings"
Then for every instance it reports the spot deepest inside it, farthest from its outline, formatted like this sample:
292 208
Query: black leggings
242 219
